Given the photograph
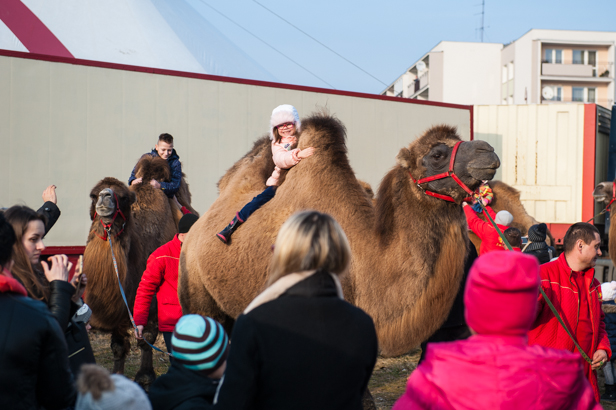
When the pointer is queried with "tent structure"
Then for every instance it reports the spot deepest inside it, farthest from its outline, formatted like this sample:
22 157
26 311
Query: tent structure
165 34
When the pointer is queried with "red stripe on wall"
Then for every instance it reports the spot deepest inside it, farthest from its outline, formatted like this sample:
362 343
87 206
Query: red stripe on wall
588 168
30 30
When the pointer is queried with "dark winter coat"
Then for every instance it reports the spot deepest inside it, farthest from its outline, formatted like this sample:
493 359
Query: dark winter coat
169 188
182 389
63 309
609 308
34 368
51 213
298 346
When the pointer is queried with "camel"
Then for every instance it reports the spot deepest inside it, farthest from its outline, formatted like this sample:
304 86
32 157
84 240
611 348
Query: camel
604 193
507 198
408 251
140 219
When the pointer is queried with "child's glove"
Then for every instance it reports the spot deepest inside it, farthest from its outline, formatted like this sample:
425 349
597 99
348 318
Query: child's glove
608 291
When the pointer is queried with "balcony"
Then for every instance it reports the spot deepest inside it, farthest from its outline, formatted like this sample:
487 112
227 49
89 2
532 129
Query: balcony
419 85
567 70
601 72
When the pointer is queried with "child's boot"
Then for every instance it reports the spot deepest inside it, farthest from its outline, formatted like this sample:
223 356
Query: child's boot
225 234
610 393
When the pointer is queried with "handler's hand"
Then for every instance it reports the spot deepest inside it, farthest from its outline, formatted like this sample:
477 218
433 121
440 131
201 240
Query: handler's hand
155 184
137 181
60 267
599 359
139 332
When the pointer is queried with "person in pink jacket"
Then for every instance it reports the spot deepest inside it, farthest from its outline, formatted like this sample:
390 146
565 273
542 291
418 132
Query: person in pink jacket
496 368
285 126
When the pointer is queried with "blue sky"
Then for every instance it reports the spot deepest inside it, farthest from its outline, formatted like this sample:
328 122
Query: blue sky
382 37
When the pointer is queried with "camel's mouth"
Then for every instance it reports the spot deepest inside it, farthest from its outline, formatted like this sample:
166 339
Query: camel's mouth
483 174
106 205
600 194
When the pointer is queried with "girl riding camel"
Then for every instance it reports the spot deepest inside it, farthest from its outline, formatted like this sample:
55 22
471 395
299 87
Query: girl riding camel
285 126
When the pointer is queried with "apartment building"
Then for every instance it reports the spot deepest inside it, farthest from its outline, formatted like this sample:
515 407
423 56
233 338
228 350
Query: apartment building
541 67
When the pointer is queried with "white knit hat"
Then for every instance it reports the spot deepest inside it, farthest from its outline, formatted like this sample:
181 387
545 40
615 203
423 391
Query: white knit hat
125 394
281 114
608 290
504 218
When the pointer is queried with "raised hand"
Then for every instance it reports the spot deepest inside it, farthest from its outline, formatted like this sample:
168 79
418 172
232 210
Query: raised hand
306 152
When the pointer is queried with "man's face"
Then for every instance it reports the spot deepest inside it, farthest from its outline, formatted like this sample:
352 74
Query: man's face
164 150
590 252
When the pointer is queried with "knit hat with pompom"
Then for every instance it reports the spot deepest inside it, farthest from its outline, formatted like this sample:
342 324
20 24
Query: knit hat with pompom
281 114
98 390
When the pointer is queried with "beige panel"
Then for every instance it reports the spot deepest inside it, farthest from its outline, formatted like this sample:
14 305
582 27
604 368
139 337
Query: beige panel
5 130
542 155
73 125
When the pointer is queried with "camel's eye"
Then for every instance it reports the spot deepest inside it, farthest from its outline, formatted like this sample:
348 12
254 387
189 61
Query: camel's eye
437 155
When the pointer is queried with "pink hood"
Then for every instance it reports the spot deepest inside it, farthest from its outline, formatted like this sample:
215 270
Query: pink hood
497 372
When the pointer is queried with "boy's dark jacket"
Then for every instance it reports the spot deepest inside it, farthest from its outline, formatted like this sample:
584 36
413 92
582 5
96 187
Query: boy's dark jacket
182 389
609 308
169 188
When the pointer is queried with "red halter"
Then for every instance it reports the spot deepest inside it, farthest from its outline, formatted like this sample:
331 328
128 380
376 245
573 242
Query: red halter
107 227
613 196
443 175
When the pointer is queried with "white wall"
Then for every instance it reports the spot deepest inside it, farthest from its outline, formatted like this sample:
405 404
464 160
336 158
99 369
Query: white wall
72 125
471 72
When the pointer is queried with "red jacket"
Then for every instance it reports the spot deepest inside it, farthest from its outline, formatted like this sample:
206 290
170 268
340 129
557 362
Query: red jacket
497 372
160 278
490 239
562 291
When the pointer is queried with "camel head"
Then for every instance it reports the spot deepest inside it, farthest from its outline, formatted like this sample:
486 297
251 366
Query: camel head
604 192
430 155
110 198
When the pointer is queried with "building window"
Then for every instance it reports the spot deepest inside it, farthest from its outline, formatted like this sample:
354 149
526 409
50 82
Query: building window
577 94
578 56
553 56
557 93
592 92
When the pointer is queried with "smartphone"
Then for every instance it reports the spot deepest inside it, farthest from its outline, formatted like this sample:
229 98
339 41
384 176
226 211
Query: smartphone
524 240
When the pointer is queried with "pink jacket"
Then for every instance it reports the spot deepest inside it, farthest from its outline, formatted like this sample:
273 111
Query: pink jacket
284 157
497 372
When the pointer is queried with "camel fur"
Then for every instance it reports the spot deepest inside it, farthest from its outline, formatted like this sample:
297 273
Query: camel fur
507 198
149 224
408 251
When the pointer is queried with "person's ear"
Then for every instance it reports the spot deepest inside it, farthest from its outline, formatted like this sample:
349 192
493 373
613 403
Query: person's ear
580 244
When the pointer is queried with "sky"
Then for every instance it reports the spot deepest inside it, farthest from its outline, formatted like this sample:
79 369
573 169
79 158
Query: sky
383 38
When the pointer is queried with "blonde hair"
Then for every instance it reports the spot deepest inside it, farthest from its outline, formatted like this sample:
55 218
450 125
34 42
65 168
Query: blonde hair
309 240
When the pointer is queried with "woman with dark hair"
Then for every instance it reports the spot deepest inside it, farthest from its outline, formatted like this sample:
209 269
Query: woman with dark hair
33 356
49 282
299 344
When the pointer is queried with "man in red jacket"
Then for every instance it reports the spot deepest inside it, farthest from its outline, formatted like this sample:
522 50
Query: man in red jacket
161 278
490 239
570 285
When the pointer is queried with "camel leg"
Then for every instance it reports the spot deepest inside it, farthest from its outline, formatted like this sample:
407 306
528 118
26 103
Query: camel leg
120 346
146 375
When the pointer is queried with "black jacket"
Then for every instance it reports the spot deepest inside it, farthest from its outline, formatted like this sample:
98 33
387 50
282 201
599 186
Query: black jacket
182 389
307 349
34 369
51 212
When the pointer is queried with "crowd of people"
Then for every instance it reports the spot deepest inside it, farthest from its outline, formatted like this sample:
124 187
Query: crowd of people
299 344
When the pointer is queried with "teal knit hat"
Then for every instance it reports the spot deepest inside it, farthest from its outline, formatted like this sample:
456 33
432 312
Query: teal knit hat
199 343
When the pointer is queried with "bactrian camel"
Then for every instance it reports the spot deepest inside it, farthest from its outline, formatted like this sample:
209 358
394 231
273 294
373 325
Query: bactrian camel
408 252
605 193
139 220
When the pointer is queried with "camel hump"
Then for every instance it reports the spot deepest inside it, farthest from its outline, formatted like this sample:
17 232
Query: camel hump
323 130
150 167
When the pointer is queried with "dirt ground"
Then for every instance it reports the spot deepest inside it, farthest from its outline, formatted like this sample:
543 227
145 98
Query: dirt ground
386 385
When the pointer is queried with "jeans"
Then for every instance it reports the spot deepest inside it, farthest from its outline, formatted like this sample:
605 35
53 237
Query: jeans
167 337
257 202
608 371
